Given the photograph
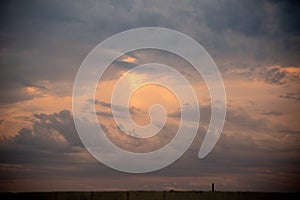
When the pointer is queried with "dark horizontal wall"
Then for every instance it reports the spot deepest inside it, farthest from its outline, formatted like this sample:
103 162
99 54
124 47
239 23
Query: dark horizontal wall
148 195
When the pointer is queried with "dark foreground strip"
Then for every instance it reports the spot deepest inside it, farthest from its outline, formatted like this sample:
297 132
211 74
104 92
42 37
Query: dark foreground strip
148 195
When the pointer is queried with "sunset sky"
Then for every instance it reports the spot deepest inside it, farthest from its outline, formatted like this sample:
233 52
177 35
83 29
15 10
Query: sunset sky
255 44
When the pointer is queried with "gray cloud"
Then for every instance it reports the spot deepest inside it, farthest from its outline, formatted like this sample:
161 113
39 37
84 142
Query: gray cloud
241 16
235 155
291 95
275 76
103 104
59 42
274 113
39 45
47 41
132 109
104 114
51 136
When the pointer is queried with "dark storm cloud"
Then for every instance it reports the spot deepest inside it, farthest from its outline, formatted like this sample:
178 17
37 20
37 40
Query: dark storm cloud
51 136
246 17
47 40
55 157
32 26
289 15
33 149
250 29
51 148
253 18
14 91
37 44
16 94
61 122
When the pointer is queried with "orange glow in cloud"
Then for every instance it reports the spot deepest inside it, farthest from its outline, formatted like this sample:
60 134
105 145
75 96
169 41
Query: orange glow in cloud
135 79
129 59
139 103
18 115
32 90
148 95
294 71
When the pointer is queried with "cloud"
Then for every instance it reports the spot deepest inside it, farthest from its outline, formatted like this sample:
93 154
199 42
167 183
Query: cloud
14 93
39 46
104 114
119 109
103 104
276 76
61 122
44 42
51 136
53 145
280 75
291 95
289 13
245 17
273 113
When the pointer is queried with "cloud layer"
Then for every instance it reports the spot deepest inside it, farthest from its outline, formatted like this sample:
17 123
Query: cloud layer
254 43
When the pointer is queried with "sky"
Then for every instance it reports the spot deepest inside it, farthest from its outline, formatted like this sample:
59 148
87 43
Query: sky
255 44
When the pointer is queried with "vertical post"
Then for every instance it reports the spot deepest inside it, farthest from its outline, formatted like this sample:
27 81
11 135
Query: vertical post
212 187
92 196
